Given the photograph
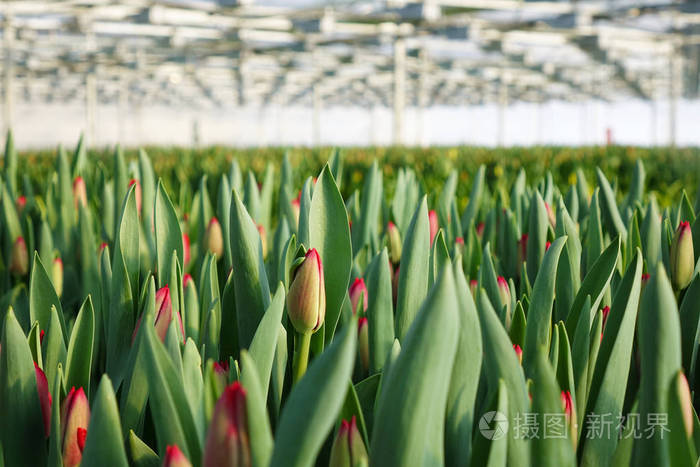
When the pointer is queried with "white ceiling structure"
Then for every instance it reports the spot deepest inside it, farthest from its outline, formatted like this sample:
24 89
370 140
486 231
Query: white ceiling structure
393 53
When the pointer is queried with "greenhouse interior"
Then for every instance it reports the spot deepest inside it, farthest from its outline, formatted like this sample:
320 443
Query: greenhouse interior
349 233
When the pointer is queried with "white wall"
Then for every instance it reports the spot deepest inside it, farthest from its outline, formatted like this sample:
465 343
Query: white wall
559 123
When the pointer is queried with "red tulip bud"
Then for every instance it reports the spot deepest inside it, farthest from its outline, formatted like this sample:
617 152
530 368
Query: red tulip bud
103 245
358 291
348 448
682 257
227 442
20 204
214 238
221 370
480 229
57 276
434 227
263 240
175 458
79 193
683 391
137 193
41 336
547 245
606 312
75 417
186 255
569 410
42 386
504 293
522 248
518 352
186 279
306 300
19 258
363 343
395 245
550 215
473 284
164 314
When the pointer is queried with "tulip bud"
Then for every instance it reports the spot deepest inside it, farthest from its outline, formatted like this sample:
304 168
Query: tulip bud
185 279
79 193
473 285
296 208
227 442
547 245
221 370
394 242
164 314
306 300
263 240
683 391
433 220
42 386
550 215
518 352
348 450
75 417
358 290
395 285
175 458
570 412
504 293
363 343
137 193
682 257
41 336
57 275
103 245
606 312
19 258
459 245
522 248
214 239
186 254
480 229
164 311
20 204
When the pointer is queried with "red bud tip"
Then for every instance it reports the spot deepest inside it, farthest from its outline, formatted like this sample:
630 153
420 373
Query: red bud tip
82 436
362 322
684 226
480 229
41 336
187 278
645 278
21 203
502 281
42 386
221 367
213 220
175 458
434 227
459 240
358 289
186 249
547 245
567 403
518 352
606 312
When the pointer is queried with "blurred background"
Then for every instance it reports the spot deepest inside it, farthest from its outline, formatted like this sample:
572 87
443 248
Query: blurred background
301 72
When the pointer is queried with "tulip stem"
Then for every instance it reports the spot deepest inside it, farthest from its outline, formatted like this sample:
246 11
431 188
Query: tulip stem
301 355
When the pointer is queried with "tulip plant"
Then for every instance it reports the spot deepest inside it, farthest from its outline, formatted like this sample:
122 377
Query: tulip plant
300 321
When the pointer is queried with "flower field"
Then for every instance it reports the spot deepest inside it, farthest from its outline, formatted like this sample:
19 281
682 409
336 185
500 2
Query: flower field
381 307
